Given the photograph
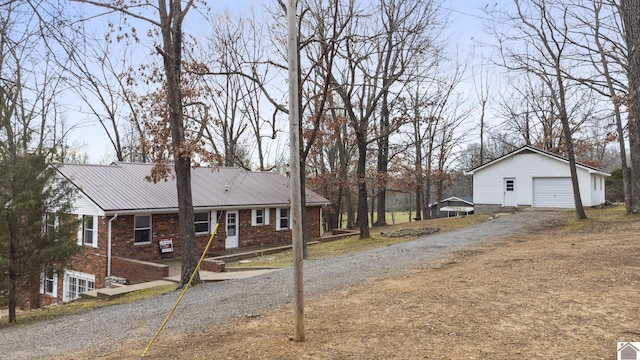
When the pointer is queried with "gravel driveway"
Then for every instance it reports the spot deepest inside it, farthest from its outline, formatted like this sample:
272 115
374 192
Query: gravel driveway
215 304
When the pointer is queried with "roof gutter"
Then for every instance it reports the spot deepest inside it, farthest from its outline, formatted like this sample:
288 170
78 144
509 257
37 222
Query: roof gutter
203 209
109 244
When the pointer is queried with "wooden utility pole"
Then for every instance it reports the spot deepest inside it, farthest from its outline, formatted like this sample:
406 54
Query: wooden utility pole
294 170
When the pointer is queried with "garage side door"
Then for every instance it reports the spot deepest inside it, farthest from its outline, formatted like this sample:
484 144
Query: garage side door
553 192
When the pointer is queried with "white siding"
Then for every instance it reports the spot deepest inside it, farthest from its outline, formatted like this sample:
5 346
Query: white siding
488 182
84 206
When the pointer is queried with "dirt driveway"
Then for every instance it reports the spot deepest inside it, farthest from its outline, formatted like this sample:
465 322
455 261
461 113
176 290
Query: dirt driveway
549 294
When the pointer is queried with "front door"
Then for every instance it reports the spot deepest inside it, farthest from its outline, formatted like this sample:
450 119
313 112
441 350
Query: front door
232 230
510 192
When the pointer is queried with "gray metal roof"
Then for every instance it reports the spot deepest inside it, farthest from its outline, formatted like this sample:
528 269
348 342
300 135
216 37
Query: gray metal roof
122 187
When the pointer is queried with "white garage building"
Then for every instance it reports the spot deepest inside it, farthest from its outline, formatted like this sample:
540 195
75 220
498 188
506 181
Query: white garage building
530 177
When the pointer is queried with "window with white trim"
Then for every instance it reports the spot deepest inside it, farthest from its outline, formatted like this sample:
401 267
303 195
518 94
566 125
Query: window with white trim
76 283
50 223
259 217
282 221
88 230
142 229
49 283
201 222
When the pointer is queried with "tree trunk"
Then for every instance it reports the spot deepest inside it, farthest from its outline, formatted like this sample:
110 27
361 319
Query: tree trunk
418 166
580 214
372 195
13 277
186 220
418 201
351 214
630 14
383 162
171 26
362 186
626 172
634 144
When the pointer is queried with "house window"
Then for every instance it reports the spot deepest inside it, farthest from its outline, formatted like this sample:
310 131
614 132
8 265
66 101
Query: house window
50 223
283 219
601 182
87 229
201 222
510 185
49 282
595 184
142 229
259 217
76 283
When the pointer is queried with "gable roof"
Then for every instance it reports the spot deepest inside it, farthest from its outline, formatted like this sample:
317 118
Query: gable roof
464 199
530 149
122 187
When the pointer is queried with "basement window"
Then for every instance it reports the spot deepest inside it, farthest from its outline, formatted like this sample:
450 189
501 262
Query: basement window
49 283
76 283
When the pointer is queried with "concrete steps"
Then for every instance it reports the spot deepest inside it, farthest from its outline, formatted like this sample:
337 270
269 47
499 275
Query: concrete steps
108 293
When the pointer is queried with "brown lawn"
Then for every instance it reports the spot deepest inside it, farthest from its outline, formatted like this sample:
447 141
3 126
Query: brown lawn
556 293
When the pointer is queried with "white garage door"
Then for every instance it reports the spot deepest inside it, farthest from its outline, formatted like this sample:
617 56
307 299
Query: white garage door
553 192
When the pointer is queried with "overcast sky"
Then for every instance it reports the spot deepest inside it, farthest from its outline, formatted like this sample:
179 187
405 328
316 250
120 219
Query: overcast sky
464 31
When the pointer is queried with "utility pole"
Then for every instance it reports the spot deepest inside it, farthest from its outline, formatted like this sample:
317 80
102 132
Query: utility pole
294 170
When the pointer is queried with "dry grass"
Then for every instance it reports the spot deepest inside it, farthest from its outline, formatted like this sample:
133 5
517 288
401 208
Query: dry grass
561 291
84 305
354 244
283 259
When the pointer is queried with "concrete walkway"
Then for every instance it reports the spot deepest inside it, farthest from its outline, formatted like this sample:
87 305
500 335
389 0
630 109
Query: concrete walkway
208 276
205 276
108 293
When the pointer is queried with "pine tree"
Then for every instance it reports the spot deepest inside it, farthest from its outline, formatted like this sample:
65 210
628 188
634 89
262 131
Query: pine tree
36 233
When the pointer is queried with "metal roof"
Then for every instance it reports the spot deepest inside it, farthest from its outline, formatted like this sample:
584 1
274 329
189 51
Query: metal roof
122 187
528 148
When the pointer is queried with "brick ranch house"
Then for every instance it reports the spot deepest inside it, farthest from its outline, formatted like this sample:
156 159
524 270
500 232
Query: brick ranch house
128 223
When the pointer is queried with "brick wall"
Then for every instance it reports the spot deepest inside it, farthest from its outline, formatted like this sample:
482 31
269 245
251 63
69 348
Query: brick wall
166 226
163 226
137 271
212 265
313 222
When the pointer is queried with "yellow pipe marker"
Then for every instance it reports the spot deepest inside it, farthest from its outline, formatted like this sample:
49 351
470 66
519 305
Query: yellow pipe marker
184 291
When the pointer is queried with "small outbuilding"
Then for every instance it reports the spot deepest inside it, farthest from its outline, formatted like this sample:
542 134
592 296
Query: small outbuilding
530 177
451 207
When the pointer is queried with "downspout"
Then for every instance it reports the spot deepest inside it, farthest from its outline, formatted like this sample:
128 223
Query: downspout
109 245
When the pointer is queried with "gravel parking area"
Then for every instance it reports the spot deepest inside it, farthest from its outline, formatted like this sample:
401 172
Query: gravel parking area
218 304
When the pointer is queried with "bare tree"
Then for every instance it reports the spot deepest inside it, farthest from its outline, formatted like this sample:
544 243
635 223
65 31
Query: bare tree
170 17
482 87
31 139
543 27
600 40
375 60
104 82
235 46
630 14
